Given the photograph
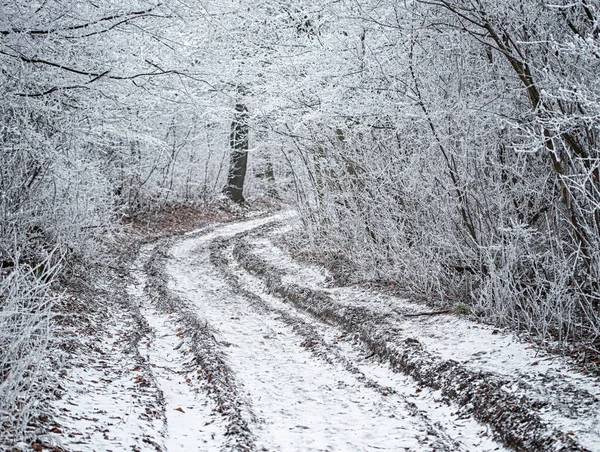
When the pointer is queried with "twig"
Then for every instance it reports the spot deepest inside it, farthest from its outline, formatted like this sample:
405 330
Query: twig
445 311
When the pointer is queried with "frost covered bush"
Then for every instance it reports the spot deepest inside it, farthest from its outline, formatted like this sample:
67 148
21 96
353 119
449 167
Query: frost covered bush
90 133
26 300
528 284
458 155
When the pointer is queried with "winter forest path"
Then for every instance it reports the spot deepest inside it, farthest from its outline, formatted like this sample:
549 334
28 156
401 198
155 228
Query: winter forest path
247 349
297 386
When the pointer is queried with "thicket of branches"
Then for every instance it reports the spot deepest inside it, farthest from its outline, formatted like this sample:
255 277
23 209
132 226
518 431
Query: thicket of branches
449 146
452 146
107 111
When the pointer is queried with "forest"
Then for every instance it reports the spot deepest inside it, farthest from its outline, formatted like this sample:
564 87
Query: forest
447 148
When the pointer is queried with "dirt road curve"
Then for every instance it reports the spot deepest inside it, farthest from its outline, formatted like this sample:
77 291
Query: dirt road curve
234 362
293 398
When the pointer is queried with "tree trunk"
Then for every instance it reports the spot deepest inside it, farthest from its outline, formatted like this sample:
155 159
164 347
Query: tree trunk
238 142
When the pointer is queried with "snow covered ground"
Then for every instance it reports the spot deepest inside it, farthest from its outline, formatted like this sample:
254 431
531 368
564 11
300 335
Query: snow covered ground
302 402
109 398
294 382
191 421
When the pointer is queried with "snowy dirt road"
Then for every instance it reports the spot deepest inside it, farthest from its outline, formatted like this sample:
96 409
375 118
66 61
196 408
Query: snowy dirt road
294 383
242 348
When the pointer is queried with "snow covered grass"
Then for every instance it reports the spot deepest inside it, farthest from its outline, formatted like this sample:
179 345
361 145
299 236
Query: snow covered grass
526 277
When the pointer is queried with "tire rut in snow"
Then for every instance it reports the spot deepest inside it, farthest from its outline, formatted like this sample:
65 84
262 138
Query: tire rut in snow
220 383
190 420
221 256
514 420
301 403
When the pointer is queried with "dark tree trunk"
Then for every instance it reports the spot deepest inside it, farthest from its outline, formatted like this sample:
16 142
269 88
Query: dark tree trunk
238 142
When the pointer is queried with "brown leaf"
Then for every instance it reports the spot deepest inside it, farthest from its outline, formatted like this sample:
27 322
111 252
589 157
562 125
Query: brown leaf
37 447
56 430
418 390
179 409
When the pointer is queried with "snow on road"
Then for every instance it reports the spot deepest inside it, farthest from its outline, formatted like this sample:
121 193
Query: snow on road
402 394
480 347
191 421
301 402
290 382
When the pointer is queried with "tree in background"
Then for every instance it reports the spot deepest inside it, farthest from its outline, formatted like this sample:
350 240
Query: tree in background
449 146
239 154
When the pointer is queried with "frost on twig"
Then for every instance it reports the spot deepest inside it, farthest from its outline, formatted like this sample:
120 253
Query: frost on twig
26 300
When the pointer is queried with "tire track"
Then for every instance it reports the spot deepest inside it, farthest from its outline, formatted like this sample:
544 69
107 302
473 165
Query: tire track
324 341
304 393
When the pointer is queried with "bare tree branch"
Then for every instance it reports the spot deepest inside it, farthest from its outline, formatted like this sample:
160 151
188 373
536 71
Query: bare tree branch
127 16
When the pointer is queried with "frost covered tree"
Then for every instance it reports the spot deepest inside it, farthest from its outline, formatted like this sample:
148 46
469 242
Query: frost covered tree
239 154
450 146
97 122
